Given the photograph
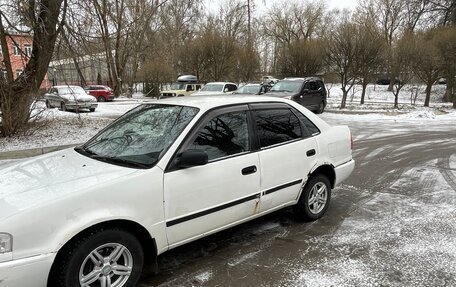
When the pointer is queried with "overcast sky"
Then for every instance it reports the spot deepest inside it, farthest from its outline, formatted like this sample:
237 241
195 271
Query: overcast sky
213 5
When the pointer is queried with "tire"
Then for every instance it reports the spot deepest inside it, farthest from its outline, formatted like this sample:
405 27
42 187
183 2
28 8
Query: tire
78 261
101 99
92 110
180 95
48 104
321 108
317 187
63 106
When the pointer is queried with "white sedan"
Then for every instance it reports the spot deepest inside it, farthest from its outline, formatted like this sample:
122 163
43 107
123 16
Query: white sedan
162 175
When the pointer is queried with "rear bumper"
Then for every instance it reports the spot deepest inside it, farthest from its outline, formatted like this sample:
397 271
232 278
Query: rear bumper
343 171
88 105
26 272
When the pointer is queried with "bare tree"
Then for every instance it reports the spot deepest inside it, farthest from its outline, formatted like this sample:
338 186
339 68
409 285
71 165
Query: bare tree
446 45
341 52
43 20
301 58
403 60
428 62
369 55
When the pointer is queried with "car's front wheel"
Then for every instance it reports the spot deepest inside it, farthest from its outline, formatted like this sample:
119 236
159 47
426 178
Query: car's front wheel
101 99
63 106
111 257
314 200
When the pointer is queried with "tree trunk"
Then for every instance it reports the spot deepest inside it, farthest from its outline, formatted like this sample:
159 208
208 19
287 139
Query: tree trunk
449 92
428 94
363 92
344 98
15 110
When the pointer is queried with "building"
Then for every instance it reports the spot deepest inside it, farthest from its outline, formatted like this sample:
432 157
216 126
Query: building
20 51
92 68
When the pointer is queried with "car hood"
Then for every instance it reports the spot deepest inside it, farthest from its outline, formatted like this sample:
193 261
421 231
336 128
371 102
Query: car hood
77 97
43 179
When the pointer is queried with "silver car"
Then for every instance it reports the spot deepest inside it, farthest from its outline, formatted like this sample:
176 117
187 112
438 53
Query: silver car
70 98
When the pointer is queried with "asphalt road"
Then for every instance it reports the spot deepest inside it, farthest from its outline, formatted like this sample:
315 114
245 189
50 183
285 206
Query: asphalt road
392 223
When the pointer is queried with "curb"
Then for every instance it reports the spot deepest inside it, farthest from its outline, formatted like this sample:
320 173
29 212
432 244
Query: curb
24 153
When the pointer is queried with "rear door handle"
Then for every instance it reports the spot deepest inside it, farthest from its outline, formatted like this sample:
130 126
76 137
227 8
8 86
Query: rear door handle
249 170
311 152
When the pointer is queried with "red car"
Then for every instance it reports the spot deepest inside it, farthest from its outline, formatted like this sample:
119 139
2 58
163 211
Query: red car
101 93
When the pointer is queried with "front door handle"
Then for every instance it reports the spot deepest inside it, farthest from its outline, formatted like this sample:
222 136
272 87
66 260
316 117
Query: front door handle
249 170
311 152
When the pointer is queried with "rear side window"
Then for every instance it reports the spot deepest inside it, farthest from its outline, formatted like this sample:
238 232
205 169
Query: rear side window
277 126
309 129
224 135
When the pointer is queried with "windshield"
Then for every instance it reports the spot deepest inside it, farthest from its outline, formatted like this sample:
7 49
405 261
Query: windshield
248 90
287 86
140 137
71 90
177 86
213 88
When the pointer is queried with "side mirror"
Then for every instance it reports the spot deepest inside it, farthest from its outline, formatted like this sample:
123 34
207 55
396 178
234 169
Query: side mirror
192 157
305 91
225 90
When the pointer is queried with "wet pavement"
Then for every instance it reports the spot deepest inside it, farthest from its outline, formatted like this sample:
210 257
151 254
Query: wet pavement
392 223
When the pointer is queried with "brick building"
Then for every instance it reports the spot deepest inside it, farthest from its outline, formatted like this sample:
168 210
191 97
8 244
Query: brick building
19 50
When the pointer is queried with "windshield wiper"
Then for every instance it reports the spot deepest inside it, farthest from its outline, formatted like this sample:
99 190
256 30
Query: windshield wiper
82 149
120 161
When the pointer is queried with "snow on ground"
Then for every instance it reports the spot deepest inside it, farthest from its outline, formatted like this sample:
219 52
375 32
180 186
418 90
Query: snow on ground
408 238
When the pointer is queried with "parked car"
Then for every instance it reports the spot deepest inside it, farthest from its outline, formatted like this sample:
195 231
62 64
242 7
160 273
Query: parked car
100 92
216 88
252 89
309 92
180 90
70 98
164 174
185 86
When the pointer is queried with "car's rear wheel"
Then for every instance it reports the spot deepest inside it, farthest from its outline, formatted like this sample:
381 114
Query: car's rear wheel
92 109
315 198
101 99
111 257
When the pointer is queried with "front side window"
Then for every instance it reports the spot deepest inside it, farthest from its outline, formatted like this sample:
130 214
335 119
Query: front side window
223 136
277 126
140 137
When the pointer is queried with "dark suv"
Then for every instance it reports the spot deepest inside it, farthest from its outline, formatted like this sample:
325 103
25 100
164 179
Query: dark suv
309 92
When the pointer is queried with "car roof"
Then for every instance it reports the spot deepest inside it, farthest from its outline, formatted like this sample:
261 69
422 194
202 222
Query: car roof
212 101
66 86
300 79
221 83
